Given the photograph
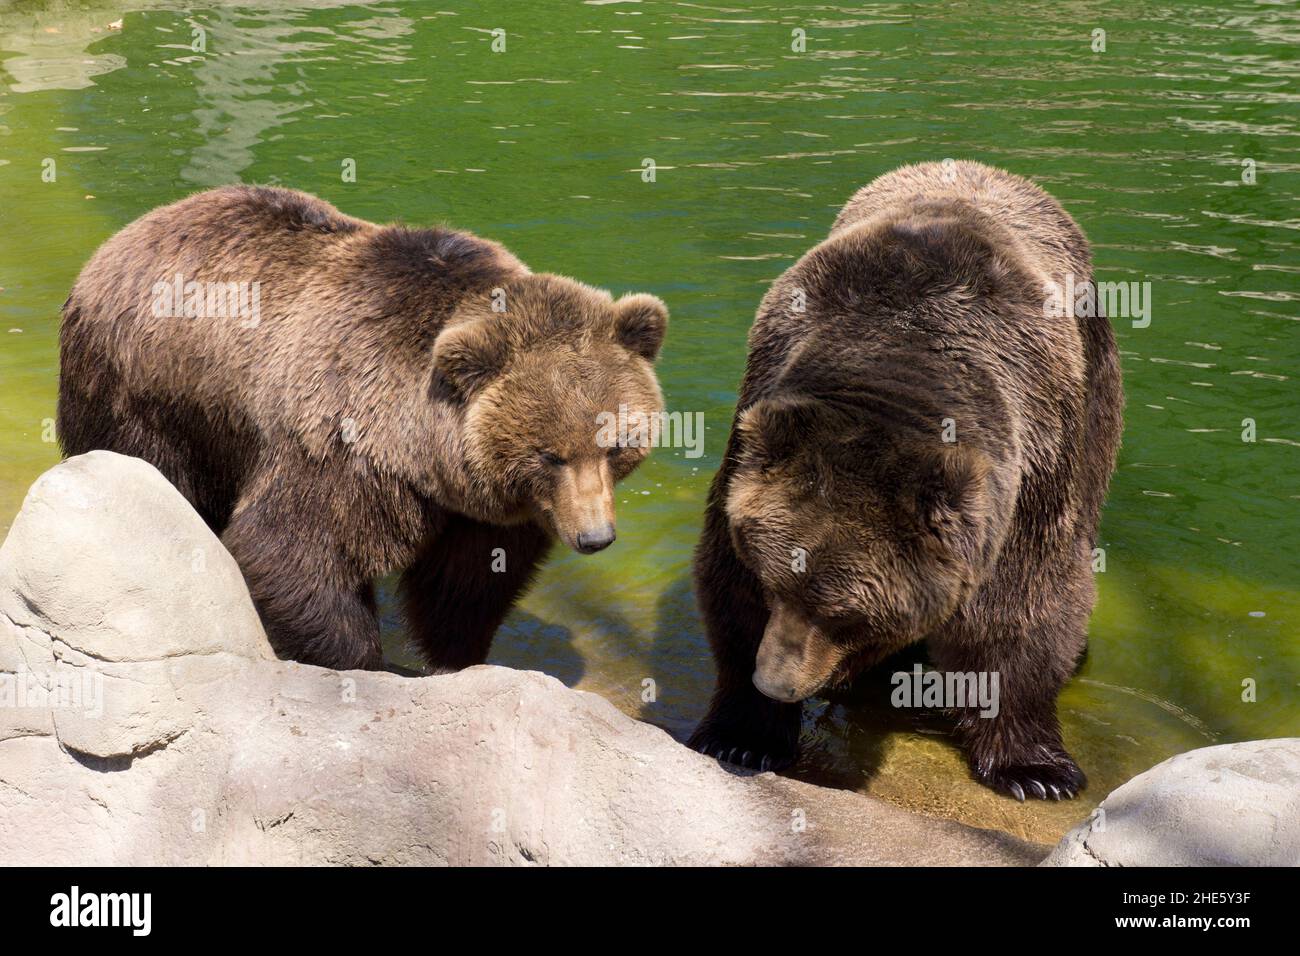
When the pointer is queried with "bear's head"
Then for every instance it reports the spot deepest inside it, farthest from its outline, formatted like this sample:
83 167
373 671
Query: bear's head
539 367
864 537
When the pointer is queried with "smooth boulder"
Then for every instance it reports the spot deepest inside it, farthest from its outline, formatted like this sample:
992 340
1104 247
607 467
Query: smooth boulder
1230 805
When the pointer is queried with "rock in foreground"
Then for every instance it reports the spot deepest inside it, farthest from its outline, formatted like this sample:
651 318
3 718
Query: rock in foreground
1231 805
144 720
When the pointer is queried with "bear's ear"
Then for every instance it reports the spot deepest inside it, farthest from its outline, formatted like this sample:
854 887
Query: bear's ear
952 492
467 356
773 428
640 322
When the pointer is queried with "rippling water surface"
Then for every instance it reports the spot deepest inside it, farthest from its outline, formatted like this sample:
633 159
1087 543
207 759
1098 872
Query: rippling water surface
756 147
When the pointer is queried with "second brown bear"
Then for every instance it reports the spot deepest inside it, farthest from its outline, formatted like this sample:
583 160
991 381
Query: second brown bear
340 399
920 452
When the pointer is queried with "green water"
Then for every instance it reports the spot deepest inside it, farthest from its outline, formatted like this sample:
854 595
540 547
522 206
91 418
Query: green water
756 147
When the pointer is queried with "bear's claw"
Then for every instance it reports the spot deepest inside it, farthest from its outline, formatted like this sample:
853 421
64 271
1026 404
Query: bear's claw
1061 779
748 758
755 741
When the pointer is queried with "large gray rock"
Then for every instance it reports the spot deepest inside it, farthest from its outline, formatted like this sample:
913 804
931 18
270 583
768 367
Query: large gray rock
1231 805
178 738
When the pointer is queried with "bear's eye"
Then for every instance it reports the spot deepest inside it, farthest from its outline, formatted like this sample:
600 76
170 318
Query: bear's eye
550 458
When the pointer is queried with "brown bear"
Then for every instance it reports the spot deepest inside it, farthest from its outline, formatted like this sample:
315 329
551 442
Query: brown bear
920 451
339 399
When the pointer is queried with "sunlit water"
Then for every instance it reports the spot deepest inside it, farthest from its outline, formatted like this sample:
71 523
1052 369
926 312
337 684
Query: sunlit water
756 147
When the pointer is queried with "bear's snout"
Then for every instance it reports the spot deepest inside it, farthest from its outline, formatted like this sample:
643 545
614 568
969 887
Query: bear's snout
777 690
582 512
795 659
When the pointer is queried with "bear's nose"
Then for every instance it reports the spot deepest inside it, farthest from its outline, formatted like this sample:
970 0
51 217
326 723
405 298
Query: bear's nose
589 542
777 690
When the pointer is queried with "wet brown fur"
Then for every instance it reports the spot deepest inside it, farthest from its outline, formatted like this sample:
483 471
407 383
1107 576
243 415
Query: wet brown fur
380 415
925 303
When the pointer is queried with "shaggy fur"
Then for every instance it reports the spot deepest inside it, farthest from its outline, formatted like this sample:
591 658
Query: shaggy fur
925 303
378 414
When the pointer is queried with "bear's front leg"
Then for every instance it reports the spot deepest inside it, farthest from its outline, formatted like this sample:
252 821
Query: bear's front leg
463 584
1018 751
742 726
313 609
